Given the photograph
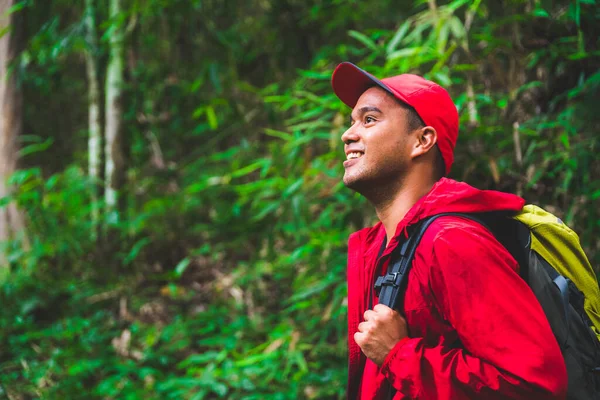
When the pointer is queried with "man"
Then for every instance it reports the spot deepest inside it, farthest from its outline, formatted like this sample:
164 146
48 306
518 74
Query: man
470 327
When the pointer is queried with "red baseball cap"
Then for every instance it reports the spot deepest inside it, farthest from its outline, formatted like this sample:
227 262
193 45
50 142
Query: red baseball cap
428 99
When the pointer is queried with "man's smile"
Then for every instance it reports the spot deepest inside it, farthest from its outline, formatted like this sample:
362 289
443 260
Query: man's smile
352 156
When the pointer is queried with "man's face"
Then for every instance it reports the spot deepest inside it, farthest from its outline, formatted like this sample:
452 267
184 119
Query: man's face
377 144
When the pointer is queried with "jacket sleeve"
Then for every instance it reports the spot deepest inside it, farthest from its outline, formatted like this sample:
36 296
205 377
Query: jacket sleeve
507 349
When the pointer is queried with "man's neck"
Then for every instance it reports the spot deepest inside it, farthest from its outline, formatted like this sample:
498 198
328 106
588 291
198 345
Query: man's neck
392 208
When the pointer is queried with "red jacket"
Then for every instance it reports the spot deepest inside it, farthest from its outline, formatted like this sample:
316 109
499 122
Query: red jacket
475 328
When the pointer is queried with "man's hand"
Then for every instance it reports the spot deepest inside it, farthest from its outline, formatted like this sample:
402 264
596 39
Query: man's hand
379 333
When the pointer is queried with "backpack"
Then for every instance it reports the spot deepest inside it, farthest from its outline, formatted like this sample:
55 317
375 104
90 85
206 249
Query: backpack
554 266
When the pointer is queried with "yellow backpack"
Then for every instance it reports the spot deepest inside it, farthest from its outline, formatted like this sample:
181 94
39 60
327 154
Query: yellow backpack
556 243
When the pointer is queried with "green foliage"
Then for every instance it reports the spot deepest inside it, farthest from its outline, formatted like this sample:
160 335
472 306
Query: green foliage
226 276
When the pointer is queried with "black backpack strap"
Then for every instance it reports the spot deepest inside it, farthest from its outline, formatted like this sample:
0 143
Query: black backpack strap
390 286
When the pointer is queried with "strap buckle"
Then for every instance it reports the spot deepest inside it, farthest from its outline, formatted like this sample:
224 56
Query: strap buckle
390 279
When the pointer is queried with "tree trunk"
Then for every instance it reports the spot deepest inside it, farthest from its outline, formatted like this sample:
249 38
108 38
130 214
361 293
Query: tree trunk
114 159
95 133
11 221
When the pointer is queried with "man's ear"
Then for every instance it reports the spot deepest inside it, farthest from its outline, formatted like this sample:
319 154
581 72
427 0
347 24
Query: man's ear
425 140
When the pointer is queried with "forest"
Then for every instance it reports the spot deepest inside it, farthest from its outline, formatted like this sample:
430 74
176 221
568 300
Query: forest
173 224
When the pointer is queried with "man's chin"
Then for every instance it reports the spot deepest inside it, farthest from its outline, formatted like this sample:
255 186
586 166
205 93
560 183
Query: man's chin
353 182
368 185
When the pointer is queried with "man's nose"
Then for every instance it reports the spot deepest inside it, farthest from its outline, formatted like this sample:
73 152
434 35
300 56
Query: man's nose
350 135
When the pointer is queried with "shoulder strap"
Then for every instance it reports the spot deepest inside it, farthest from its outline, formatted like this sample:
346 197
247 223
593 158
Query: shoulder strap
390 286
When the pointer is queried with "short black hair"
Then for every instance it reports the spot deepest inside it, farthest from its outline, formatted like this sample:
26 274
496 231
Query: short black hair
440 165
415 122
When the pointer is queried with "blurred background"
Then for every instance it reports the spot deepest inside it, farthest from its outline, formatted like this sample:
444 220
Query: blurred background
173 223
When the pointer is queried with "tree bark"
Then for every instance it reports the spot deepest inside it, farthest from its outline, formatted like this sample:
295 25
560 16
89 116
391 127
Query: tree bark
114 159
12 224
94 126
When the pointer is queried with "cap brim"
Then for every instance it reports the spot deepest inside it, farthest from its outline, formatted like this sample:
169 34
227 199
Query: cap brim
349 82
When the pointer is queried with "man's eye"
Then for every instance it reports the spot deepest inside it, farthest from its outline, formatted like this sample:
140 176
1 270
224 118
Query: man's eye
369 120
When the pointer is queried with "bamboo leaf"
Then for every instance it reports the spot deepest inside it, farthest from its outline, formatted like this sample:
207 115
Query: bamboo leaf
182 266
398 36
457 28
211 116
409 52
364 39
248 168
135 250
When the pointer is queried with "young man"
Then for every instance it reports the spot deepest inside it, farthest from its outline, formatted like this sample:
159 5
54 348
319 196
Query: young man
470 327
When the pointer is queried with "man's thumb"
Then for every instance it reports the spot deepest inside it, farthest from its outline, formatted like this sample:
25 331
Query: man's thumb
359 338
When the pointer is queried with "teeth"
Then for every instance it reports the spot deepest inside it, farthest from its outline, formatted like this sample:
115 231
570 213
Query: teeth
353 155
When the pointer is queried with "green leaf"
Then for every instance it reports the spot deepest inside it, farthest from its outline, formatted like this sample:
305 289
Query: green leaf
326 75
135 250
51 182
456 4
293 187
198 359
219 388
364 39
442 38
18 6
211 116
564 139
182 266
35 147
279 134
271 207
541 13
248 168
309 291
457 28
398 36
408 52
21 176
